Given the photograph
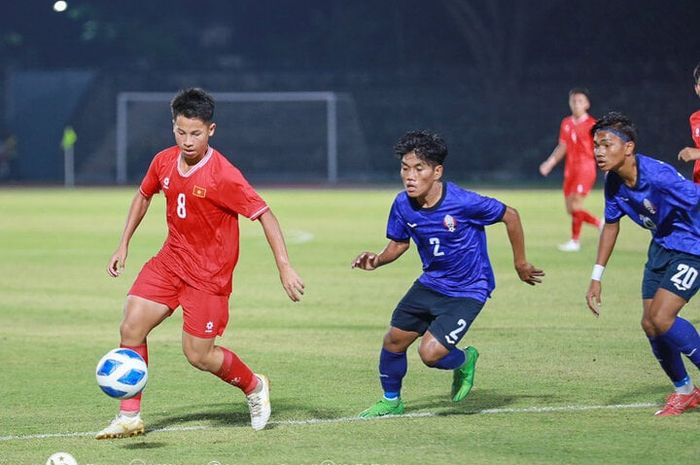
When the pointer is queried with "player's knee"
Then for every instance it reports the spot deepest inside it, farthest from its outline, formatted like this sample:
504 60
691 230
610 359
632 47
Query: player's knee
131 333
196 359
648 326
392 343
662 322
429 356
657 323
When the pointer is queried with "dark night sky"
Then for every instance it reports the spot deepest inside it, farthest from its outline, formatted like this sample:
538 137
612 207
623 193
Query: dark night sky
335 34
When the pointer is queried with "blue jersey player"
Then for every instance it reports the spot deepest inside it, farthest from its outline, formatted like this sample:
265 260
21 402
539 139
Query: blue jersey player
656 197
446 223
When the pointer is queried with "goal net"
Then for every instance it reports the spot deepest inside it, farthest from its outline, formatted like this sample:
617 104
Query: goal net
285 137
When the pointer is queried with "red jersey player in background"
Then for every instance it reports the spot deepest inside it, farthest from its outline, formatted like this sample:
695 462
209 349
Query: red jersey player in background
576 144
693 153
204 196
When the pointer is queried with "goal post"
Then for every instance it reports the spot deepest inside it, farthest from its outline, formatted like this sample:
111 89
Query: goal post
124 99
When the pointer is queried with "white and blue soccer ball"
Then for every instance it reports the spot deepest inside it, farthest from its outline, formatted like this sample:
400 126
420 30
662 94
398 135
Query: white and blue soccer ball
121 373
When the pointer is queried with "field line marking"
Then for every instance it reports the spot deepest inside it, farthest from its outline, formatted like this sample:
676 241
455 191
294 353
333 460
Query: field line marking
319 421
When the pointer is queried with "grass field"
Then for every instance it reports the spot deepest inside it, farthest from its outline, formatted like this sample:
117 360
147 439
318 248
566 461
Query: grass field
553 386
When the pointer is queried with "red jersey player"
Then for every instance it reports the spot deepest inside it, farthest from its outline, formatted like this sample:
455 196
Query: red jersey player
693 153
204 196
576 144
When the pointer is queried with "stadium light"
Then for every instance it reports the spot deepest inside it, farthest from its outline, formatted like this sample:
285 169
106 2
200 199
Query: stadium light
60 6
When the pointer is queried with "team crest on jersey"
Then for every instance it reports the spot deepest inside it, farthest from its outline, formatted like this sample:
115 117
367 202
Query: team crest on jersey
449 223
649 206
647 222
166 182
199 192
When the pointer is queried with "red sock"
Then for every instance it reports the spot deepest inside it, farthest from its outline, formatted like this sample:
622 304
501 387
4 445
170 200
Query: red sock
576 223
234 371
588 218
134 404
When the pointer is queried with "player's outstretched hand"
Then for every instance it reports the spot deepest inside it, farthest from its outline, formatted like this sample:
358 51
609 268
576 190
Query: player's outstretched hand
593 297
689 154
292 283
117 262
529 274
365 261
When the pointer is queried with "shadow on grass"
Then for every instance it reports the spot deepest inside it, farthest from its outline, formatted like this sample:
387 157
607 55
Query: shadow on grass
144 445
236 414
656 393
478 400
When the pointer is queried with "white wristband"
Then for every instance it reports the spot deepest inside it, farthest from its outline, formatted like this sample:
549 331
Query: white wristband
597 274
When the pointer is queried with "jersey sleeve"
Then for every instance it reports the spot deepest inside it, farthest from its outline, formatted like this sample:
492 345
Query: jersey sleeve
613 213
562 132
150 185
237 195
396 228
680 192
695 128
483 210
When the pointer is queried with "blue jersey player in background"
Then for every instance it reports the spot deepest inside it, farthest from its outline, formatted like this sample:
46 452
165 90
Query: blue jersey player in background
656 197
446 223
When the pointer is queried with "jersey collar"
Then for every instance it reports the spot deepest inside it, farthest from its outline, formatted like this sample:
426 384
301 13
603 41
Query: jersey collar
416 207
196 167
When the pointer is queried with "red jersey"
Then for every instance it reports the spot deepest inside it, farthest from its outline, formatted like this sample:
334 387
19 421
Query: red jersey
695 133
576 136
202 208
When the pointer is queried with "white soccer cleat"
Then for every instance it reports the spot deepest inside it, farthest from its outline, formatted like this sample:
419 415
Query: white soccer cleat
122 427
570 246
259 404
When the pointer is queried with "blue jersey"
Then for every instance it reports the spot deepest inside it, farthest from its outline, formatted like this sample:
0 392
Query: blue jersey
662 201
450 238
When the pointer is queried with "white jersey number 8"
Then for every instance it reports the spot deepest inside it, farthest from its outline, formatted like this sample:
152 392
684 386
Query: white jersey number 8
181 210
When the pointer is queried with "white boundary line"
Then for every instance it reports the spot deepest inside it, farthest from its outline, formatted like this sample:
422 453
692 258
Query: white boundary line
320 421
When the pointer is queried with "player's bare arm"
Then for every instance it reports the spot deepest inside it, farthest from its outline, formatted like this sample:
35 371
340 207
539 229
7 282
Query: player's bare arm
369 261
137 210
526 271
291 281
689 154
552 160
606 244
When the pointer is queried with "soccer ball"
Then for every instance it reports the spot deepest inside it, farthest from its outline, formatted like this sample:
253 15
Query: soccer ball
61 458
121 373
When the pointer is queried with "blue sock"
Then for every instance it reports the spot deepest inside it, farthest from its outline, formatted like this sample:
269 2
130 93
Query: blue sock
684 337
392 368
669 359
454 359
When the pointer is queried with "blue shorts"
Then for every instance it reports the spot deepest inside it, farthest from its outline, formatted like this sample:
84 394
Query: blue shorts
447 318
674 271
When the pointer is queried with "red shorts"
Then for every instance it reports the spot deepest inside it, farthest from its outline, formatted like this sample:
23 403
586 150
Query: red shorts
203 315
579 184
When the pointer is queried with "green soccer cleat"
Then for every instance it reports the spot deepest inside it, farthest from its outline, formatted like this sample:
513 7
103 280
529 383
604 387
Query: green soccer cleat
384 407
463 377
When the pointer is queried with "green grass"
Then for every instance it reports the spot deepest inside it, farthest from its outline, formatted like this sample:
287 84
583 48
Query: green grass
540 347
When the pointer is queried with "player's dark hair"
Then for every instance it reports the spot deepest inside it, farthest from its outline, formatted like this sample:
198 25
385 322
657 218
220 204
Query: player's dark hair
696 74
619 123
427 146
193 103
580 90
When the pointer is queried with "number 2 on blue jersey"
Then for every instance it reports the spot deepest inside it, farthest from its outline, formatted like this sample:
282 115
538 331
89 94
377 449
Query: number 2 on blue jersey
435 242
